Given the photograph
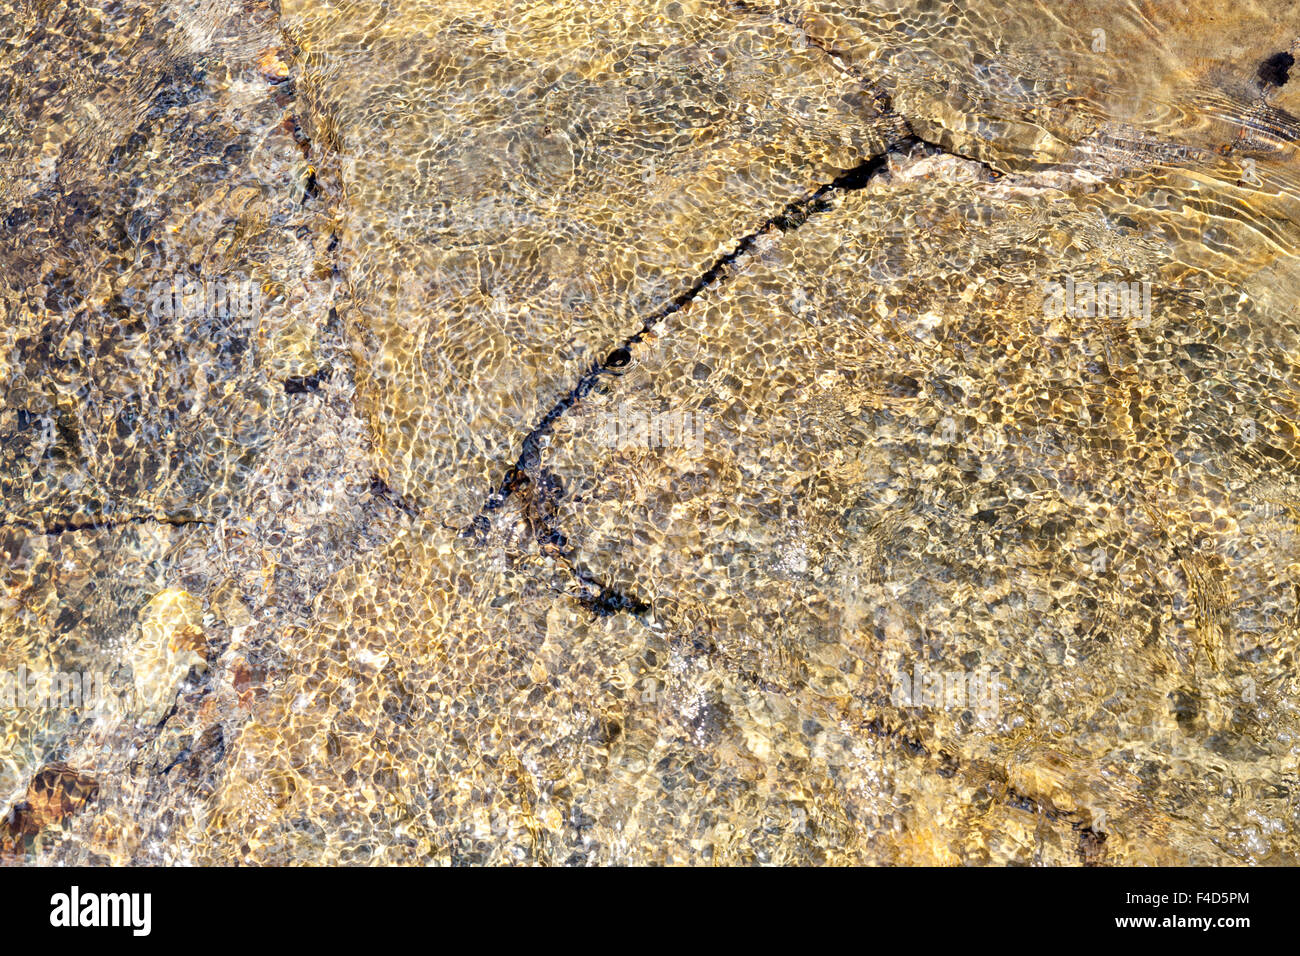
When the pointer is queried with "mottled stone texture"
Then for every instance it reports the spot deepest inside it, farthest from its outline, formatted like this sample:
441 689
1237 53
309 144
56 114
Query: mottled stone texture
662 432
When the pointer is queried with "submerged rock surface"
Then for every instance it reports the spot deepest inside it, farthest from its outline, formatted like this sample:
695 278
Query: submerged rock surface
668 432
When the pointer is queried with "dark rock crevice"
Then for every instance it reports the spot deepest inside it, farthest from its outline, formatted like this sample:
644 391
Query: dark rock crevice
527 471
528 466
791 217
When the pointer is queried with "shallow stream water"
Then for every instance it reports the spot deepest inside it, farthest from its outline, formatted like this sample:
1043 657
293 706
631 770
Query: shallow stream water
649 432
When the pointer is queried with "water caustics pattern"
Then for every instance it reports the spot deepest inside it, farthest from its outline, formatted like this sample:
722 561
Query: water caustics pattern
625 431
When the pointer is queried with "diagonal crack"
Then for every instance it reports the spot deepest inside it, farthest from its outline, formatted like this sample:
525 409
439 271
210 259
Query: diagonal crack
527 470
794 215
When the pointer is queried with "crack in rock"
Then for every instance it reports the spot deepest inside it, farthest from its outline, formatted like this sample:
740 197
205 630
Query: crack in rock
594 595
794 215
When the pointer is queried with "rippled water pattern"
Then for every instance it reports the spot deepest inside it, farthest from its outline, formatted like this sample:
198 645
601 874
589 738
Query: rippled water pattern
649 432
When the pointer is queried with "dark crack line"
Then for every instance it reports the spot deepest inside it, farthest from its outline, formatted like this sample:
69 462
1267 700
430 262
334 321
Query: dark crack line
993 172
794 215
540 501
595 595
64 527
